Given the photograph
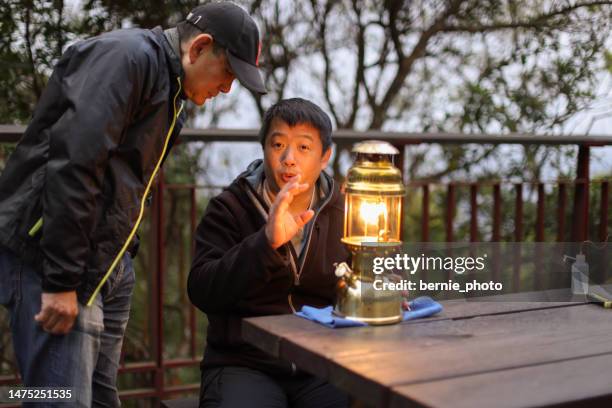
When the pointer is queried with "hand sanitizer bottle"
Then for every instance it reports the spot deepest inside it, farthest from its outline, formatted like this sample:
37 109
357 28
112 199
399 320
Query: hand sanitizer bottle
580 276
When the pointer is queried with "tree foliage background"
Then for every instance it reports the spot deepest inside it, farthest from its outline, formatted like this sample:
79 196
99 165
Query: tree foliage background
425 65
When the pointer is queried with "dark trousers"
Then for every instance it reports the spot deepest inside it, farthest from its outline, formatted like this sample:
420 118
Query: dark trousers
239 387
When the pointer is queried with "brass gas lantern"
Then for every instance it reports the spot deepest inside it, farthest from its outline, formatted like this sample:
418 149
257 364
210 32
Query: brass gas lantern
372 225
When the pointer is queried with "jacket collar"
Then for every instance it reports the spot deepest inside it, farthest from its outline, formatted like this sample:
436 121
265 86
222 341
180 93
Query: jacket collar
171 45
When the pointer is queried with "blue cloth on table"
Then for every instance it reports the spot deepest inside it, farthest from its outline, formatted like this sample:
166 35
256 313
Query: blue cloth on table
420 307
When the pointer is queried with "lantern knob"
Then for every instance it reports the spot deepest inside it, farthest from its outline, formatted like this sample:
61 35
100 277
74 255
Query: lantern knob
342 269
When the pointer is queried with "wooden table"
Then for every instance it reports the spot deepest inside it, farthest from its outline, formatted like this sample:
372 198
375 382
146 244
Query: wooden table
473 354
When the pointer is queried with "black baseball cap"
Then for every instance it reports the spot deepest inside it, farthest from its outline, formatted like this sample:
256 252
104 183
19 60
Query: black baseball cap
233 29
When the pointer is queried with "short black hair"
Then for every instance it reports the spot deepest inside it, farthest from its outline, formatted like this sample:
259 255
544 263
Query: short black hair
187 31
296 111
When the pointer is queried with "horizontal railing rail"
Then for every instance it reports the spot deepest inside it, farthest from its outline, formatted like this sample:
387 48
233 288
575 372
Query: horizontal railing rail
12 133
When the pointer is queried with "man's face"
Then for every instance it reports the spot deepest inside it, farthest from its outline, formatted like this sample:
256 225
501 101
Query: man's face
293 150
206 73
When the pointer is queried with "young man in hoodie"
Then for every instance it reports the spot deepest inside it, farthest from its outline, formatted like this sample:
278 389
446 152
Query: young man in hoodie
73 193
267 245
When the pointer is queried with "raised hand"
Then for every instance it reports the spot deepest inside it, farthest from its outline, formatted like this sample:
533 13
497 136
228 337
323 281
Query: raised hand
282 225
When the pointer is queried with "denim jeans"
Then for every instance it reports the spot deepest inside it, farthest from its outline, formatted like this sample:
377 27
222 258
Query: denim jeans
87 358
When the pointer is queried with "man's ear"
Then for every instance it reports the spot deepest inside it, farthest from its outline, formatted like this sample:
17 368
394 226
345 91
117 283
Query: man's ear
199 44
325 158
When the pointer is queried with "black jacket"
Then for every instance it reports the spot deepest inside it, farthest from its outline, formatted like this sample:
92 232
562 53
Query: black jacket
73 192
236 273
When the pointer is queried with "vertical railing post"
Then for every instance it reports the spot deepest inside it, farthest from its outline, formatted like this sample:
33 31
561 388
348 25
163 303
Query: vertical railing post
518 213
425 214
450 215
603 227
580 225
192 316
399 160
450 211
159 291
539 237
539 232
518 236
561 204
495 234
603 211
150 323
473 212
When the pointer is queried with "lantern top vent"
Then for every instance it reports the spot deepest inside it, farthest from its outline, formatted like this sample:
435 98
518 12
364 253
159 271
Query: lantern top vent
375 147
373 172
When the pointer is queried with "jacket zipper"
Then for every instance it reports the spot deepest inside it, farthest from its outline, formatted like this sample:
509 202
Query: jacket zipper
291 303
36 227
144 196
297 273
314 219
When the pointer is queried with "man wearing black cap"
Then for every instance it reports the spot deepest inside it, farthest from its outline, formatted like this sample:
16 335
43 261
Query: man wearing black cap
74 192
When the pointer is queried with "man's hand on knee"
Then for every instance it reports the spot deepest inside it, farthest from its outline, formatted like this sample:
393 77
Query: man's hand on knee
58 312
